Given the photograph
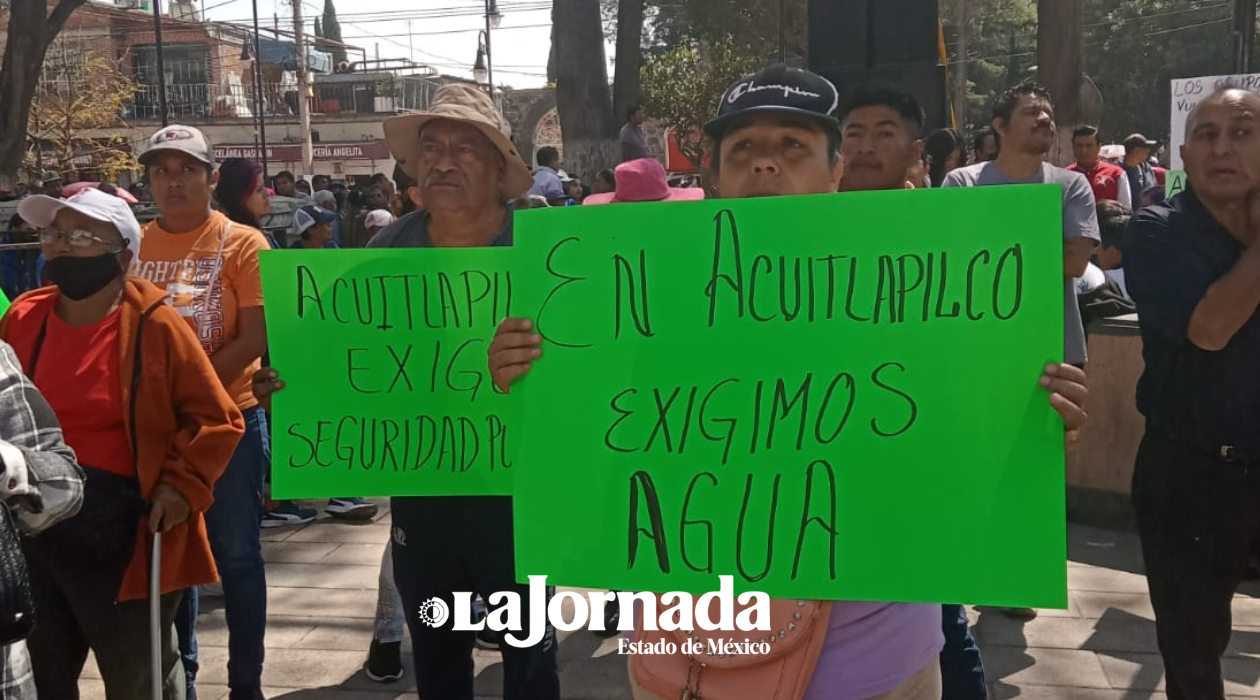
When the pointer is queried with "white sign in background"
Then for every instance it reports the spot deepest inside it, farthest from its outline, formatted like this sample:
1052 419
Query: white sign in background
1189 92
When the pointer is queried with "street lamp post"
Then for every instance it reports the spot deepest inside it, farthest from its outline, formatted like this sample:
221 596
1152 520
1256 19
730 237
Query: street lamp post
480 72
493 20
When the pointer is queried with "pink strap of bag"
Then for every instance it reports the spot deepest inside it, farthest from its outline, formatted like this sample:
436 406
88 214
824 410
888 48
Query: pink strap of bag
798 629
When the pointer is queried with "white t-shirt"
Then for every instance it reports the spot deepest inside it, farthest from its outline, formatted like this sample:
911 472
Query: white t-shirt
1093 278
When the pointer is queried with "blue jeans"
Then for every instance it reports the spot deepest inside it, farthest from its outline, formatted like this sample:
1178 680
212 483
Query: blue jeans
233 523
962 672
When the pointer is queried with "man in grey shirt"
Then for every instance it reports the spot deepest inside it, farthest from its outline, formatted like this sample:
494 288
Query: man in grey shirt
633 146
1024 118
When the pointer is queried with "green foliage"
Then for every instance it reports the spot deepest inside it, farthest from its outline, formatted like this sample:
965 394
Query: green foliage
681 87
1001 48
332 31
1135 48
751 26
319 29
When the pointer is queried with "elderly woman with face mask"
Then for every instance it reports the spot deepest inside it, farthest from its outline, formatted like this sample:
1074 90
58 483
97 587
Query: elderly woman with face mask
153 427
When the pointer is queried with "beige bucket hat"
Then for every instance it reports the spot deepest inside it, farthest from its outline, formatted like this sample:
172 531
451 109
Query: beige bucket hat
463 103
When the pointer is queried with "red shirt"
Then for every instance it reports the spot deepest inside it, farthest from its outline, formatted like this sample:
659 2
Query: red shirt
1104 179
78 372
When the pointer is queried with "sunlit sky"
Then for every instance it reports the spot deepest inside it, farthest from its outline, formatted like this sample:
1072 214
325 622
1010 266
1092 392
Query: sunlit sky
439 33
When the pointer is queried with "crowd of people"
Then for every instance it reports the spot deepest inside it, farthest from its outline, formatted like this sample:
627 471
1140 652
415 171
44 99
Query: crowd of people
135 389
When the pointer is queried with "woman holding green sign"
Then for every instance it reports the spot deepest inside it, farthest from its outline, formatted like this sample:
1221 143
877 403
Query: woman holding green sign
775 135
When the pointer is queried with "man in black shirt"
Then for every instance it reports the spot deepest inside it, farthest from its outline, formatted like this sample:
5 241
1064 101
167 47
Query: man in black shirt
1193 267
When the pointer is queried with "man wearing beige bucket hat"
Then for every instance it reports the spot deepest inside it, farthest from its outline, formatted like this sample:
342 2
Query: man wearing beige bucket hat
461 156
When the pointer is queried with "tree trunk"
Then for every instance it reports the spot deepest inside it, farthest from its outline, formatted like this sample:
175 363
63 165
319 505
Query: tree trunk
582 87
627 90
31 29
551 55
1060 55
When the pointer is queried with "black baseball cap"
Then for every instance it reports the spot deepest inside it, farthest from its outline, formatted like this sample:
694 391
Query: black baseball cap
778 89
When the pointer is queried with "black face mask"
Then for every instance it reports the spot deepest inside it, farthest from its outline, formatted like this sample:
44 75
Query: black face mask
80 278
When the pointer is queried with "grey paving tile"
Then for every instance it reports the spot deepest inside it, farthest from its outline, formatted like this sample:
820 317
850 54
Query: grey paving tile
1095 605
296 552
289 668
1018 666
1102 579
341 532
278 534
322 602
283 631
1115 550
1049 692
336 693
343 634
356 554
1127 635
1146 672
321 575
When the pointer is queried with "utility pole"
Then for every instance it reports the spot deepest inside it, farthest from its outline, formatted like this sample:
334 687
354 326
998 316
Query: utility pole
1244 33
161 65
304 86
260 98
491 10
964 35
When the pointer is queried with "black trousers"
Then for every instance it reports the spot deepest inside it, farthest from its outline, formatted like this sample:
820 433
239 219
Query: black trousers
1199 519
446 544
76 611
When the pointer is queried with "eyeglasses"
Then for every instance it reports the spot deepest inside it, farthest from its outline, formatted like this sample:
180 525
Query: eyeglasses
77 238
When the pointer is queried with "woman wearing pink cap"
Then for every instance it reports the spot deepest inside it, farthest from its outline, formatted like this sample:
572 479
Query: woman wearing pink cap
643 180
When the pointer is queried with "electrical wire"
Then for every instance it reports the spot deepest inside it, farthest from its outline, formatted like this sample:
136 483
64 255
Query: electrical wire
437 13
449 31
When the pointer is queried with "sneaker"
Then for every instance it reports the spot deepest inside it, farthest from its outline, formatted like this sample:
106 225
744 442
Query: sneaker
288 513
487 639
384 664
351 508
1019 613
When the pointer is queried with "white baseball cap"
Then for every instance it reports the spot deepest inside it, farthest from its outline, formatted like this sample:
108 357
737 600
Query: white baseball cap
178 137
40 210
378 218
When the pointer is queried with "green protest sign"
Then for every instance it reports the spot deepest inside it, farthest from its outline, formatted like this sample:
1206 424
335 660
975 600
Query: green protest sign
383 353
1174 182
830 397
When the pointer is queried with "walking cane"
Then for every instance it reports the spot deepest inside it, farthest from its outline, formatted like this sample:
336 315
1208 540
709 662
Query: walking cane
155 615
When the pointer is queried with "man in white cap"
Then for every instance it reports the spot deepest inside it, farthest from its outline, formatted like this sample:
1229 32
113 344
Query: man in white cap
209 267
376 221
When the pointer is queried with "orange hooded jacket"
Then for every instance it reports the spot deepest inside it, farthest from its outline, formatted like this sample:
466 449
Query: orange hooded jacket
182 425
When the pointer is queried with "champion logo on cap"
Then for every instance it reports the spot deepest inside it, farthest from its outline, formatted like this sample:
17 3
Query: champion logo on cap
778 88
751 86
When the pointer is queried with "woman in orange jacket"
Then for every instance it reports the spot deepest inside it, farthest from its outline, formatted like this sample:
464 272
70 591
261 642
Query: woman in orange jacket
141 406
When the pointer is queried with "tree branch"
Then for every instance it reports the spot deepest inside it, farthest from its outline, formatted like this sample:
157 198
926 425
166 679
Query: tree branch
57 20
